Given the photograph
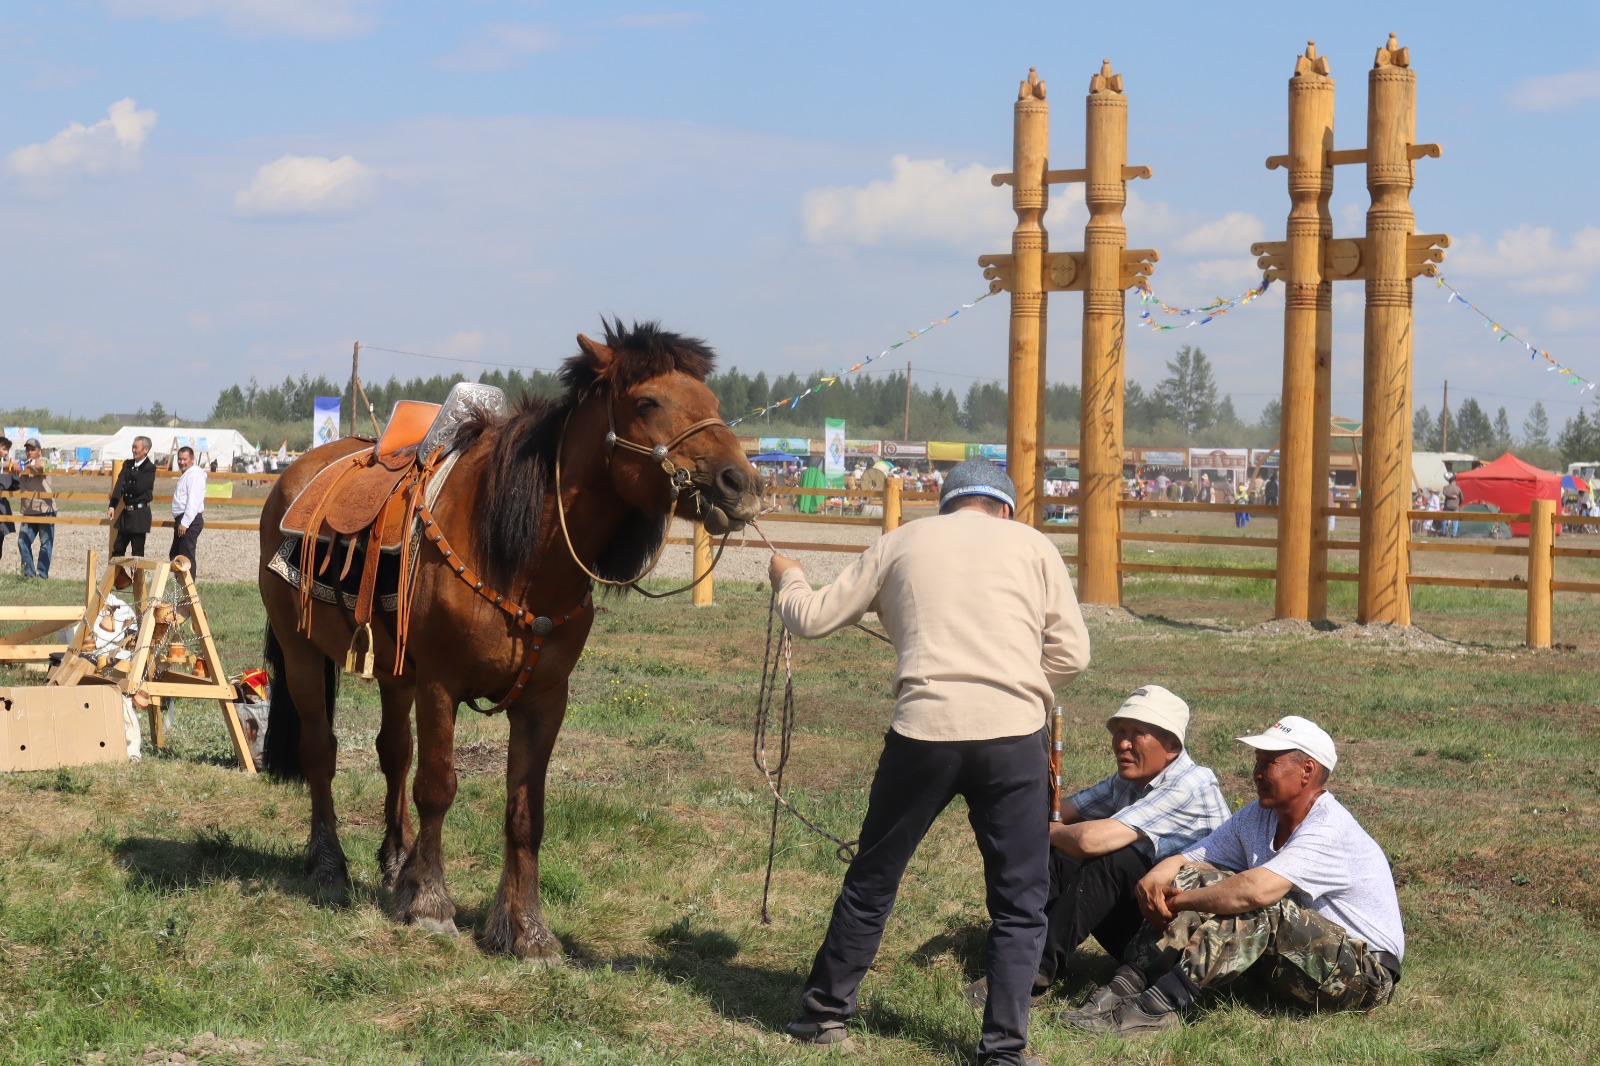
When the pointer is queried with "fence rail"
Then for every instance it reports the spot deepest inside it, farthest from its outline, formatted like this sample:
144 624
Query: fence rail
1541 551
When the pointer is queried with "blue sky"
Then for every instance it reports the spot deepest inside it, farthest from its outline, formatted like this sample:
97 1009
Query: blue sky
194 191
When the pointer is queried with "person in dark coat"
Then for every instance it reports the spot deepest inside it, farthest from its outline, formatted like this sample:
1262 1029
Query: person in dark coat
134 488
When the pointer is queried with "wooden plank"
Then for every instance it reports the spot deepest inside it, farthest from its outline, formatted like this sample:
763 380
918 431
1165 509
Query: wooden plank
1199 538
1567 553
49 613
28 634
1456 547
833 520
1197 571
1342 575
1575 586
1197 508
1469 582
29 653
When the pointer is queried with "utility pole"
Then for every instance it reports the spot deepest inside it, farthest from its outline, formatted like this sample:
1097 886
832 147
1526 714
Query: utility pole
1444 420
905 434
355 376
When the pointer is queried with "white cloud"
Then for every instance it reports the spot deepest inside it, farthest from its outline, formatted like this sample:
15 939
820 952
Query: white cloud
1233 233
1234 272
655 21
1548 92
464 344
113 143
1531 258
924 202
502 45
299 185
317 19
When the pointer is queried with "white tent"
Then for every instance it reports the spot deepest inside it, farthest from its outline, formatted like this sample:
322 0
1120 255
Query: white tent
223 445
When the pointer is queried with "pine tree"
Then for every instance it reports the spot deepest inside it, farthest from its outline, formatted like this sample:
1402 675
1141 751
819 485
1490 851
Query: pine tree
1502 432
1536 427
1579 440
1424 435
1271 416
1189 393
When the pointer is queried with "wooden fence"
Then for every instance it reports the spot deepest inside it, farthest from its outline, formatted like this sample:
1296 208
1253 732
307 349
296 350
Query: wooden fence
1539 582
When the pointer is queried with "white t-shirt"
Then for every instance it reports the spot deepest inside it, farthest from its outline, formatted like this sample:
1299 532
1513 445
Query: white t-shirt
1337 869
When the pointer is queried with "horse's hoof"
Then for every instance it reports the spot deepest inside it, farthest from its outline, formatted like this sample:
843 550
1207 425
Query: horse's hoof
545 962
437 926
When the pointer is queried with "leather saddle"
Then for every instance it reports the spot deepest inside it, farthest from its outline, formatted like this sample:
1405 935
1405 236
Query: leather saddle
370 499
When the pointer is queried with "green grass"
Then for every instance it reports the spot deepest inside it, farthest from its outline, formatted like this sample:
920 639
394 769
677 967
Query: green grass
144 905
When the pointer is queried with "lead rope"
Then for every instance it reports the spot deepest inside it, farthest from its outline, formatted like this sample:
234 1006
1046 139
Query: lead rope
766 696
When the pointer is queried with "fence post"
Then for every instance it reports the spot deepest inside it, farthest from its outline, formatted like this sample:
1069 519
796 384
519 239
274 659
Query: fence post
1541 537
891 504
701 595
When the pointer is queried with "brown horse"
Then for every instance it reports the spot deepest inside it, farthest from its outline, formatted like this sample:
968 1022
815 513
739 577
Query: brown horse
538 500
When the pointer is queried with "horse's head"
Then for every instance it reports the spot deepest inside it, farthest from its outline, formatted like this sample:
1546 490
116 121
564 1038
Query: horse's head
669 441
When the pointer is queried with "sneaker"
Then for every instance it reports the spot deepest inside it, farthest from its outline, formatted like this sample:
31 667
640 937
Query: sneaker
1127 1019
820 1032
977 993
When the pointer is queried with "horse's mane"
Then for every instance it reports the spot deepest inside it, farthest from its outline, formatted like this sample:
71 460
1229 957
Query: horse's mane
521 465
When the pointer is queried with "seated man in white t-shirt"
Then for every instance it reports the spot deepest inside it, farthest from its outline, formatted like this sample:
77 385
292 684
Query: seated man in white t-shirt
1290 888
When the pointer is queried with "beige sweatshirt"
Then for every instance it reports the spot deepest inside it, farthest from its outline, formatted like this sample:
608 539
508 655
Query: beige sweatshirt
982 615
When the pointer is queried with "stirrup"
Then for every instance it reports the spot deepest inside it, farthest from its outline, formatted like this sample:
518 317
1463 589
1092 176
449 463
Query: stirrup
350 655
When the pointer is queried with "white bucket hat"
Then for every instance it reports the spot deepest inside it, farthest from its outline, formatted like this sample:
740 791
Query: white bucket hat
1154 705
1292 732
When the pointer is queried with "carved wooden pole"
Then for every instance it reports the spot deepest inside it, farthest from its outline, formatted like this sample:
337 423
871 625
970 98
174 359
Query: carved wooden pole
1030 197
1386 391
1308 302
1103 272
1104 328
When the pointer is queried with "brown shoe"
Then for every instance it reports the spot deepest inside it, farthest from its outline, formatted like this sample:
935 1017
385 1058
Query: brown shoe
123 580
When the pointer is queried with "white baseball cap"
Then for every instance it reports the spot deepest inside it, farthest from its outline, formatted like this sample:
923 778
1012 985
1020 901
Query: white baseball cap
1154 705
1292 732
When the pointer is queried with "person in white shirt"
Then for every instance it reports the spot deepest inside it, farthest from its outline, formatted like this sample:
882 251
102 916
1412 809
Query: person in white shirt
188 509
1291 882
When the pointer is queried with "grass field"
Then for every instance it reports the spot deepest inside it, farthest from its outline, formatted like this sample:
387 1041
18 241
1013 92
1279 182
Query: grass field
159 909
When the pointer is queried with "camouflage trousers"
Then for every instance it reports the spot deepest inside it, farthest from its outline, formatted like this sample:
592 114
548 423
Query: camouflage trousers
1295 952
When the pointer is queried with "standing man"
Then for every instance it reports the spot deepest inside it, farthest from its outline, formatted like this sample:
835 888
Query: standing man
985 627
188 509
1451 497
8 483
1291 882
134 488
36 481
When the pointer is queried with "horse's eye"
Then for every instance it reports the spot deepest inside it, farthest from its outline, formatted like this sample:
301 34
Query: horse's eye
647 403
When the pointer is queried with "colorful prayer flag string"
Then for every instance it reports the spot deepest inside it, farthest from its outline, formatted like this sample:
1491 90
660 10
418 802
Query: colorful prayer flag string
1573 377
1215 309
826 380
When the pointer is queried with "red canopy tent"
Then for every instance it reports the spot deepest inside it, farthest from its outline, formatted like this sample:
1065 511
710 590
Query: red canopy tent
1511 485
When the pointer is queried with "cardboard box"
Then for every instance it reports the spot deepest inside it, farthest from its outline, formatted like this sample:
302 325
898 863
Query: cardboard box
46 728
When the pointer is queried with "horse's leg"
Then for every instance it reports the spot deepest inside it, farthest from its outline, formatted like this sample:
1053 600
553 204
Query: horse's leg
420 897
307 669
516 926
394 756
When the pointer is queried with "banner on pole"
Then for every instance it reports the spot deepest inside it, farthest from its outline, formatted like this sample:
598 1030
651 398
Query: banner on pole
325 423
833 450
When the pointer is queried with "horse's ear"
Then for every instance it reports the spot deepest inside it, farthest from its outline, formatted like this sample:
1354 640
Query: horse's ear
598 356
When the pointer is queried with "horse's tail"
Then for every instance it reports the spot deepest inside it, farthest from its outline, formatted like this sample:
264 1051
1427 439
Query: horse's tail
282 746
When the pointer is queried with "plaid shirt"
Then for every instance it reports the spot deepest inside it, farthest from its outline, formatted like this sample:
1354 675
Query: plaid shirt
1179 807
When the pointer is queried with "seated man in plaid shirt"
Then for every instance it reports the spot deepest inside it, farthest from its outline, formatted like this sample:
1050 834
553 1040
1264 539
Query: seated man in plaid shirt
1157 803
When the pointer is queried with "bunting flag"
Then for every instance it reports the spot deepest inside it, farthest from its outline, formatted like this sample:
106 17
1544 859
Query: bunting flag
827 380
1577 380
1201 315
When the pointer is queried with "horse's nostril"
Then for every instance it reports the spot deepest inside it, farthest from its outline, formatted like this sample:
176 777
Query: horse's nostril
732 482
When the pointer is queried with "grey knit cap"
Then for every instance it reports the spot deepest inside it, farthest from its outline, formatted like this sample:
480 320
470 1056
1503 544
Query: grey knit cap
978 477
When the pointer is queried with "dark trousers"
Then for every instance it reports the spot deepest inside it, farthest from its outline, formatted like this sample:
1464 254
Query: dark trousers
1004 783
186 544
128 544
1093 897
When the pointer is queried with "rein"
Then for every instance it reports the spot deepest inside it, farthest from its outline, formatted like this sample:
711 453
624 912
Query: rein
678 479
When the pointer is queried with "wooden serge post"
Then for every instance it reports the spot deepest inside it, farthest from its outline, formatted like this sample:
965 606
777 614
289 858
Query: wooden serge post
1307 342
1385 594
1103 272
1030 197
1387 258
891 504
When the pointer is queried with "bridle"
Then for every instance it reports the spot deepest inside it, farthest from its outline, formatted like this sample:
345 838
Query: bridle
678 479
